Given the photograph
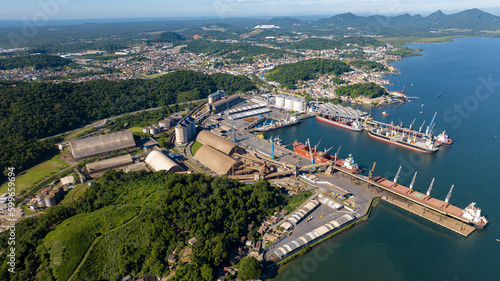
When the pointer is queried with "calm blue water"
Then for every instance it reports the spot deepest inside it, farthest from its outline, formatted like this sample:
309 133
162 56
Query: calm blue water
393 244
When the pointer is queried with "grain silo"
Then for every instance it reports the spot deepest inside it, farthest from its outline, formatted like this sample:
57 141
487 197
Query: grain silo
192 131
280 101
289 103
50 200
188 124
55 192
40 198
164 124
181 133
45 190
298 105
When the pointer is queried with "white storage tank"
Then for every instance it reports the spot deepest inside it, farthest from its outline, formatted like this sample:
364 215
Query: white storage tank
280 100
298 105
289 103
164 124
181 133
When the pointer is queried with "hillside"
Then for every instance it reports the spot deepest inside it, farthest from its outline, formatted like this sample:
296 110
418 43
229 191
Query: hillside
288 75
36 110
168 37
129 224
473 20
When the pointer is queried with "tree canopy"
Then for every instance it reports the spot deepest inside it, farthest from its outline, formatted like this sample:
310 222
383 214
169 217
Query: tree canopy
36 61
36 110
137 219
369 90
289 74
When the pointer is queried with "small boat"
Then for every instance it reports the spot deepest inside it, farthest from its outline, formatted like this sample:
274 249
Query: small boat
422 105
385 113
421 112
498 240
439 95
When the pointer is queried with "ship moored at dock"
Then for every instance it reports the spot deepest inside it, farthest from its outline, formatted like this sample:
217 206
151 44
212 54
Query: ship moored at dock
405 140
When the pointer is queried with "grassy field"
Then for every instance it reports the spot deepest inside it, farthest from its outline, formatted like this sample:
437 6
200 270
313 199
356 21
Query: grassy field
297 200
75 193
196 145
37 173
154 75
135 129
83 229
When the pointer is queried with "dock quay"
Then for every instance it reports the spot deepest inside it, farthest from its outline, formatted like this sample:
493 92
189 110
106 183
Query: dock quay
434 210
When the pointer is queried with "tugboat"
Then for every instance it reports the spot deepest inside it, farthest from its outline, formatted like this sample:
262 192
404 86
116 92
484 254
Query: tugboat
385 113
443 138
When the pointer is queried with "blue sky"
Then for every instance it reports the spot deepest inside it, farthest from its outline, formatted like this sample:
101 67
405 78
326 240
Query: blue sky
88 9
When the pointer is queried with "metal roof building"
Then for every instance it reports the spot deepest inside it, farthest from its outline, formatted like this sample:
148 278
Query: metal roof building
160 162
211 139
109 164
88 147
215 160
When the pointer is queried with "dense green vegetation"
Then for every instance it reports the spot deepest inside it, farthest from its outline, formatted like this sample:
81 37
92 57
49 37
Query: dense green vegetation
370 90
342 43
367 65
35 110
403 52
233 51
249 268
134 221
168 37
297 200
289 74
36 61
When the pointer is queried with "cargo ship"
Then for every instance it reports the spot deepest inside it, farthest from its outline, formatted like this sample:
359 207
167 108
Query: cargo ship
471 214
405 140
347 164
340 122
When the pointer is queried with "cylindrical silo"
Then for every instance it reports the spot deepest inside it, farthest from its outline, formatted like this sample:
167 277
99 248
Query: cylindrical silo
45 190
298 105
289 103
50 200
40 198
56 194
280 100
192 132
164 124
181 134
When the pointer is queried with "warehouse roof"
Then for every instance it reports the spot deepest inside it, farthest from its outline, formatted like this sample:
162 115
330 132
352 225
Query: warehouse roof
88 147
224 102
109 163
208 138
215 160
160 162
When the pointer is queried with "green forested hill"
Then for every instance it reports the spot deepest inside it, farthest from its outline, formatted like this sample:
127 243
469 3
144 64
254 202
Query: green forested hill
370 90
134 221
36 110
37 61
289 74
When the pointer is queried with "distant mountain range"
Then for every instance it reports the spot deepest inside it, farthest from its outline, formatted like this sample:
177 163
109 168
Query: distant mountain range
471 20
